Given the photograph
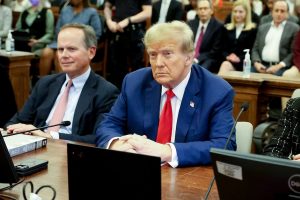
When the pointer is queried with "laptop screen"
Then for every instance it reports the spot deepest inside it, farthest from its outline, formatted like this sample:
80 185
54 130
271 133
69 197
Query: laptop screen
95 173
8 173
251 176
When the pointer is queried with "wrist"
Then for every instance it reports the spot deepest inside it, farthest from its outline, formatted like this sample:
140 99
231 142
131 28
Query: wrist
166 153
129 20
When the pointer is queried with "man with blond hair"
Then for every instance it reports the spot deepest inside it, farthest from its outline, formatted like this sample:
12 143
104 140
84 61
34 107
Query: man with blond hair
174 110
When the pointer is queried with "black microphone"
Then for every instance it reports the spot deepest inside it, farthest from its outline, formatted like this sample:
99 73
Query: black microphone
63 123
243 108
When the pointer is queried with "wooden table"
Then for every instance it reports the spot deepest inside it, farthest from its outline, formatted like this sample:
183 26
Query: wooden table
18 64
177 184
256 90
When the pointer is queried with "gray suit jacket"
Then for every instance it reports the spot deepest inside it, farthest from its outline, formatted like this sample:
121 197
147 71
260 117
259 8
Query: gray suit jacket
269 18
286 42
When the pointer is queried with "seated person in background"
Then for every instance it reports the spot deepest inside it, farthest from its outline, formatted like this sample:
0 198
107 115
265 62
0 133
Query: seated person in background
285 143
78 12
254 17
272 50
190 10
239 35
208 34
19 5
268 17
174 110
77 95
38 21
166 11
6 20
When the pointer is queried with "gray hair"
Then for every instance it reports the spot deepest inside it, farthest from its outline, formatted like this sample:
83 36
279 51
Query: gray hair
90 39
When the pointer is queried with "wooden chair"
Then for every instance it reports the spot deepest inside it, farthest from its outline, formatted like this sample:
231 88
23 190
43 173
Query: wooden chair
15 16
99 62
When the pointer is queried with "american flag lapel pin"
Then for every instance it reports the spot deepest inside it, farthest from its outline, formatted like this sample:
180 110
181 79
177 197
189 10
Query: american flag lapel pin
192 104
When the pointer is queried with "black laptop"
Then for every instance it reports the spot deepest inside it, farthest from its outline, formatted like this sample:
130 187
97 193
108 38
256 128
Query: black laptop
95 173
251 176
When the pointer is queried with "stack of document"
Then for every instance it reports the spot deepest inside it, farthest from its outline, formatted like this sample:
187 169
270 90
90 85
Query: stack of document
21 143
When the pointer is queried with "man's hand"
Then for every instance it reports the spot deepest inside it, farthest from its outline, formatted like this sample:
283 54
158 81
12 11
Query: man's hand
145 146
273 69
260 67
120 145
16 128
296 157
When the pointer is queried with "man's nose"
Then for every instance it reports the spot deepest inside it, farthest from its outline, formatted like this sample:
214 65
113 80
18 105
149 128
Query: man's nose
159 60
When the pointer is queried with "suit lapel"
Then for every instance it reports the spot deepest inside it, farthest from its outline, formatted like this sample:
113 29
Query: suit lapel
152 104
264 34
190 103
208 33
88 90
170 9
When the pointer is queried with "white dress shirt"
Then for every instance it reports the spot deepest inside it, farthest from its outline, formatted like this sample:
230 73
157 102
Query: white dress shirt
270 52
238 30
176 103
163 10
74 94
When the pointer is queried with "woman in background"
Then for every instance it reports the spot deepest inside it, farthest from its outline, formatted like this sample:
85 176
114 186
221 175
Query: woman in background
240 34
6 20
38 21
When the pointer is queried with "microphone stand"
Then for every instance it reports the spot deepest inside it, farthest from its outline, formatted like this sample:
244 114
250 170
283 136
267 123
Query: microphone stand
243 108
63 123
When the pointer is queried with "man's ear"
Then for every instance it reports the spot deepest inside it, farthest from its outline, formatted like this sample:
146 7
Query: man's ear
189 58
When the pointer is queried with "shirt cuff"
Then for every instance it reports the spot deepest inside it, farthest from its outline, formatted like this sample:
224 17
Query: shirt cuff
110 141
54 134
282 64
174 160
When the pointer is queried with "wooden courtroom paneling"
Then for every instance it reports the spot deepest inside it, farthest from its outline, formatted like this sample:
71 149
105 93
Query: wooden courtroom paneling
221 12
256 90
18 64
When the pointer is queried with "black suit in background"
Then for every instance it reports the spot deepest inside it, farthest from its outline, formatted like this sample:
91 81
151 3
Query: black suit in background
237 45
175 11
8 105
210 56
286 139
96 98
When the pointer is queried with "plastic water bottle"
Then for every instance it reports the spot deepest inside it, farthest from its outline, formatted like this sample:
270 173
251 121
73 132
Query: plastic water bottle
247 65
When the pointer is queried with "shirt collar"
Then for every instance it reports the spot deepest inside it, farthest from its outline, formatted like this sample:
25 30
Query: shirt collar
179 89
79 81
204 24
281 25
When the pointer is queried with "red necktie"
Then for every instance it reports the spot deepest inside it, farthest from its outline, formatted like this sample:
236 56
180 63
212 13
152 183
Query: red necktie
165 122
60 109
200 38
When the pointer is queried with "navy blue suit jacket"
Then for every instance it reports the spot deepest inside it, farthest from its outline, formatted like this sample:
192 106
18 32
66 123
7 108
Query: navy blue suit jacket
96 98
204 119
